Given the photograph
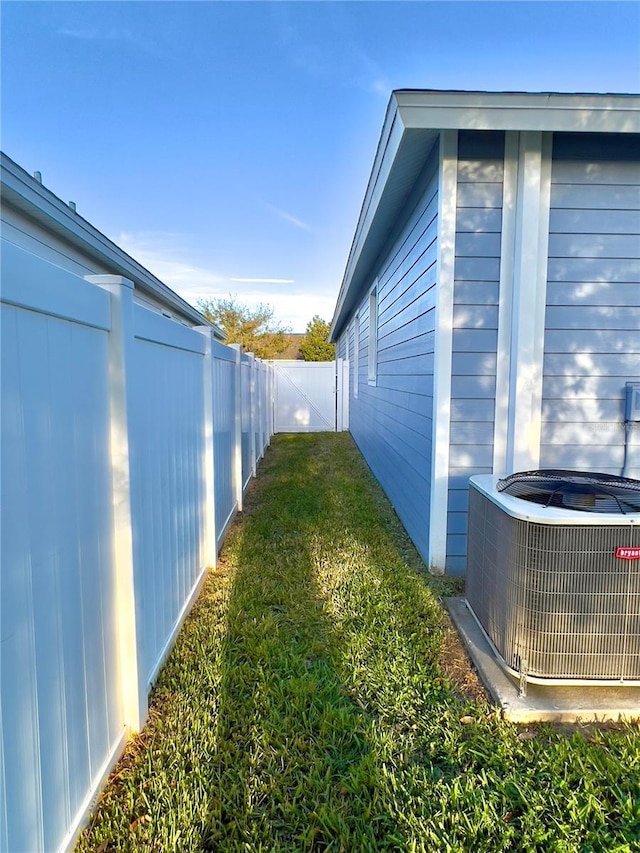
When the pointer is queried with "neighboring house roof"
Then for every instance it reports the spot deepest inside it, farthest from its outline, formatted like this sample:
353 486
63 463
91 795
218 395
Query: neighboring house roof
293 348
29 197
412 125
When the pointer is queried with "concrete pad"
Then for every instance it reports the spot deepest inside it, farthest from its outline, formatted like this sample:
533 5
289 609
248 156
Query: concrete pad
542 703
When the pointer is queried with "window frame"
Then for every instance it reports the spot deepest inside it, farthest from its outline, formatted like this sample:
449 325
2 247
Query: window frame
372 355
356 353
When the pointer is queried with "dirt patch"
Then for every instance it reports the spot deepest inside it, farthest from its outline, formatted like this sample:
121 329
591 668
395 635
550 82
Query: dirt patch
457 665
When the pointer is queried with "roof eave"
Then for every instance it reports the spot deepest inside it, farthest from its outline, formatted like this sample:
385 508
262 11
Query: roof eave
432 112
37 202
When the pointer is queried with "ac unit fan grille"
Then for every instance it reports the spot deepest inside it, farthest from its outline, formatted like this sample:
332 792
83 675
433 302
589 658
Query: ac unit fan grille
585 492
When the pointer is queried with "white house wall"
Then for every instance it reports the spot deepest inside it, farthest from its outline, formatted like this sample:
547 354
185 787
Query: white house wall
475 326
592 327
391 417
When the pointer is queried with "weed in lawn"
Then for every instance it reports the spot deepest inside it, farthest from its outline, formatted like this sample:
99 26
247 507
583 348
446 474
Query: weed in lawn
307 707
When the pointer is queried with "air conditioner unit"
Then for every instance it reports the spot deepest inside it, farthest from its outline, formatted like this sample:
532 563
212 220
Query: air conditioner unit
553 575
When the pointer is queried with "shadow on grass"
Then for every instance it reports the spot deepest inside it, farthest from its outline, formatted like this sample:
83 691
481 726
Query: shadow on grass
294 769
303 709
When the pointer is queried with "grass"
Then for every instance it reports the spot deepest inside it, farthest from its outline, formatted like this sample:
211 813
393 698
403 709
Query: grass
306 705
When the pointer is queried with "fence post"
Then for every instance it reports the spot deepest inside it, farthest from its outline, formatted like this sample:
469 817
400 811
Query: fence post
338 391
273 399
252 411
237 433
121 341
211 552
269 397
345 395
260 407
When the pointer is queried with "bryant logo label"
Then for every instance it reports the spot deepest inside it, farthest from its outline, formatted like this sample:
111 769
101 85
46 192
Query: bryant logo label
628 553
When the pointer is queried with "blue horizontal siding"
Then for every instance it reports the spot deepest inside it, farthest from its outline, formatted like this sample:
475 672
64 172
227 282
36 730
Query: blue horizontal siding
480 195
413 365
474 364
456 523
595 148
574 389
475 325
477 269
391 420
595 196
476 293
592 336
478 220
616 317
593 269
606 293
594 364
594 222
412 322
473 408
471 433
478 245
604 410
420 345
473 387
475 340
420 326
594 245
571 341
472 456
475 317
458 500
415 385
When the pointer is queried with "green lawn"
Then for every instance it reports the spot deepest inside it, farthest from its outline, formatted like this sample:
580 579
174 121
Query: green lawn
305 705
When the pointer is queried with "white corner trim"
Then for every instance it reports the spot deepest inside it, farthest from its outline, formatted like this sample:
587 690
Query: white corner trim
505 306
443 346
529 301
540 307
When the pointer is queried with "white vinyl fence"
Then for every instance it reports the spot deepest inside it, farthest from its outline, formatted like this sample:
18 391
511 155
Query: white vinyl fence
311 396
127 441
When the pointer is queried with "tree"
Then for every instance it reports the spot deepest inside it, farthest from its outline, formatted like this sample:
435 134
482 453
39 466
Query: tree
315 345
255 329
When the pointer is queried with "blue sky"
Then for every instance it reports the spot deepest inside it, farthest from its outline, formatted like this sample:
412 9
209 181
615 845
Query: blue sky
227 145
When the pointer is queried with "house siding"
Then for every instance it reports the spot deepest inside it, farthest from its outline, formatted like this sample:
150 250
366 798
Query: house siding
475 326
341 348
524 240
391 417
592 325
36 238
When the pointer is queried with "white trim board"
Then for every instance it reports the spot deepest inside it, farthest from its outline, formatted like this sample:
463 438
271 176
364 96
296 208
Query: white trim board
529 301
521 111
443 348
505 302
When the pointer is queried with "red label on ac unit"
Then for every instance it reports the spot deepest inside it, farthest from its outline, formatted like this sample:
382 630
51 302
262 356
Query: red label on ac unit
628 553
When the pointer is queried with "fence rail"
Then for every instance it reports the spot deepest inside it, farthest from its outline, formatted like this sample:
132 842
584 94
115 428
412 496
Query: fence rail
127 443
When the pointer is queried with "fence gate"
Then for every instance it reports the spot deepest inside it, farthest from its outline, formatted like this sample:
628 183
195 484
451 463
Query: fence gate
309 396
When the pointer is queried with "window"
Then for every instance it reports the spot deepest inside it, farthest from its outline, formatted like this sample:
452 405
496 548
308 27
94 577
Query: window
372 367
